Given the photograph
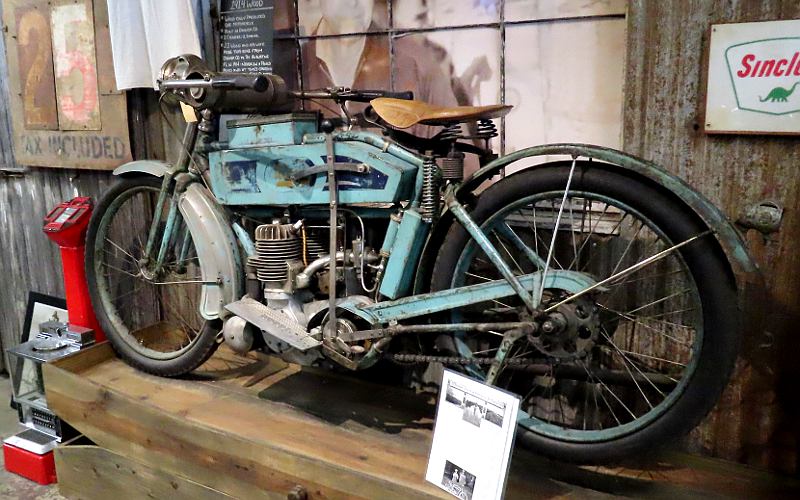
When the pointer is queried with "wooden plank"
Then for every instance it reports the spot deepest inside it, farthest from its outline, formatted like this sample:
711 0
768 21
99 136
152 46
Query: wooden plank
328 433
106 82
86 358
243 447
93 472
72 27
34 50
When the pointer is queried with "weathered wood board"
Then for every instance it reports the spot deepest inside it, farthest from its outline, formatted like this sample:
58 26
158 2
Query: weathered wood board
35 59
93 472
251 427
71 117
72 30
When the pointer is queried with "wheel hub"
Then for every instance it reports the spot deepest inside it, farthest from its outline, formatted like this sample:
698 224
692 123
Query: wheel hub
569 332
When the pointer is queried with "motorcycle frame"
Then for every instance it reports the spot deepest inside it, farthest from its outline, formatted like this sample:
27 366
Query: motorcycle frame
176 180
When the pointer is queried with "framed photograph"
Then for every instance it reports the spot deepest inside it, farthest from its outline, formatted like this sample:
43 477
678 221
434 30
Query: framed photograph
40 309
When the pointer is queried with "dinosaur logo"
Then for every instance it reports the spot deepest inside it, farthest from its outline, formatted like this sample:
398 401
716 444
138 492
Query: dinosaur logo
764 75
779 94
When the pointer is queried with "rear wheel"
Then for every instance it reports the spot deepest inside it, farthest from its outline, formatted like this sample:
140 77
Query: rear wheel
627 366
150 314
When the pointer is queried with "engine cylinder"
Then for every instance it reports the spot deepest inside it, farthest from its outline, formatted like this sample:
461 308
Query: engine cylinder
276 246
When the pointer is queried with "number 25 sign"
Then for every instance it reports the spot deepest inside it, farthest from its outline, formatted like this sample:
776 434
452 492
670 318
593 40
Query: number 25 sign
753 78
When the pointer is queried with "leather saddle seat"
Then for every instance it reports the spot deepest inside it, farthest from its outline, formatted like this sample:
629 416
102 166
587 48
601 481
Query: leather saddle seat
403 113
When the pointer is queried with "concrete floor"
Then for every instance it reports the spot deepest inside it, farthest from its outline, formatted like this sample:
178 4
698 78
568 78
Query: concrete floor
13 486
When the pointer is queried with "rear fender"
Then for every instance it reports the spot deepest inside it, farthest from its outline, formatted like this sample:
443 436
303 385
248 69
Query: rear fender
726 234
215 242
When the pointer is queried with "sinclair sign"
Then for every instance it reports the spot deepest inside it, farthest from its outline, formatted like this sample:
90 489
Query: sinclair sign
754 78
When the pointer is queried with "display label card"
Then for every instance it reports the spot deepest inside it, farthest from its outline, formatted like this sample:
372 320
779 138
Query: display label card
472 438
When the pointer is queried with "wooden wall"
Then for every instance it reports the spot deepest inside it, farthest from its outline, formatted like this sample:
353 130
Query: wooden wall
758 420
28 260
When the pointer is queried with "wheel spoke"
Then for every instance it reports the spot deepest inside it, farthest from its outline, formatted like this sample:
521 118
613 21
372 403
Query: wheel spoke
642 331
139 309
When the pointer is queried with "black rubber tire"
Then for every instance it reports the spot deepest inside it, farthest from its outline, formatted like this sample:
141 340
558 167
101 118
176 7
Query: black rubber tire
706 263
204 345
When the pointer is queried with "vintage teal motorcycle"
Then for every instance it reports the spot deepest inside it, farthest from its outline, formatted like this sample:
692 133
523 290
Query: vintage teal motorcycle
598 287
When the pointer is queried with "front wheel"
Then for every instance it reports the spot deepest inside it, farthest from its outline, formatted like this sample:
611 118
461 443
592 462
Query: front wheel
631 365
149 311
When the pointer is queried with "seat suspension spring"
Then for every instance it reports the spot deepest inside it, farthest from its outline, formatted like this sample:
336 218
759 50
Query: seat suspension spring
430 190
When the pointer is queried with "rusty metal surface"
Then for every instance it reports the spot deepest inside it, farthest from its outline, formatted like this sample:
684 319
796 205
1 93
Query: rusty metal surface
757 420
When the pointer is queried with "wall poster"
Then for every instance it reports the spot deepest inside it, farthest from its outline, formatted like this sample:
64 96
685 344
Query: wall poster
64 112
753 74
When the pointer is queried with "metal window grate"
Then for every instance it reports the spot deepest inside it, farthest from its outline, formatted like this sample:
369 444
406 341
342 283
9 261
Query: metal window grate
393 32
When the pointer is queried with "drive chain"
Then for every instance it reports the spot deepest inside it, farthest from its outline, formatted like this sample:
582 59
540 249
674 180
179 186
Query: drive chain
453 360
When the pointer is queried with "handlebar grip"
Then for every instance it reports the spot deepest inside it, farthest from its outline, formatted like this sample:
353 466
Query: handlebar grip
259 83
406 95
368 95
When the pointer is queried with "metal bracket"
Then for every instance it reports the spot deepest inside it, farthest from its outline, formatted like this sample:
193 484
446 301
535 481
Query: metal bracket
333 190
358 168
509 339
491 252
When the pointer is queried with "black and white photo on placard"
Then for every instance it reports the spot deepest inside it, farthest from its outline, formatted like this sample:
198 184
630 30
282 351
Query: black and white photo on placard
458 481
475 408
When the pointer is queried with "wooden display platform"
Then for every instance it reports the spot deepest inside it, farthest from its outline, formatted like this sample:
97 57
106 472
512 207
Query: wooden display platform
255 427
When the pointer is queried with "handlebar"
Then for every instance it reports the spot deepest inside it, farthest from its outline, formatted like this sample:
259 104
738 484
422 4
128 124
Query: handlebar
231 81
345 94
252 93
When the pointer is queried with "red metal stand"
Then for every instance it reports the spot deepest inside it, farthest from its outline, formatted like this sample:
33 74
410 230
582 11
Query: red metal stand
66 225
39 468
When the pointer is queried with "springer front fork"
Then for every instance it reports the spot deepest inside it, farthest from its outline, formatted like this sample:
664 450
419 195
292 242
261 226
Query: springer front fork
162 239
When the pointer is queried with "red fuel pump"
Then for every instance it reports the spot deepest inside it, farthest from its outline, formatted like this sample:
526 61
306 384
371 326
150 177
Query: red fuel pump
66 225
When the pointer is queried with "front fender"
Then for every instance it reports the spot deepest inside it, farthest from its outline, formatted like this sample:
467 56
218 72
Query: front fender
728 237
156 168
214 240
217 249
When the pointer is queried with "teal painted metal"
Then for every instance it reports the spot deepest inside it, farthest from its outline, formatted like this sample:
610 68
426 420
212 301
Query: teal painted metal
244 239
507 232
404 255
528 298
428 303
729 238
166 237
391 235
162 198
388 147
274 130
264 175
509 339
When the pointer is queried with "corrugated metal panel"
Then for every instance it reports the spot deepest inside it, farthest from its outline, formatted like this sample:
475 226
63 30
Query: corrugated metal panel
28 260
758 419
6 141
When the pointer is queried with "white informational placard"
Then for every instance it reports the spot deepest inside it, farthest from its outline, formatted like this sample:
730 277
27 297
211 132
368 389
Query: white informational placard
753 75
473 438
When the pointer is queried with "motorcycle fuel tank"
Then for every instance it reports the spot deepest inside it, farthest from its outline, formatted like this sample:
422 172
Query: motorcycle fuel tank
286 174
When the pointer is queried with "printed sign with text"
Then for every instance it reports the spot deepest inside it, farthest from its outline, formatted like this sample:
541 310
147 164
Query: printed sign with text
753 75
